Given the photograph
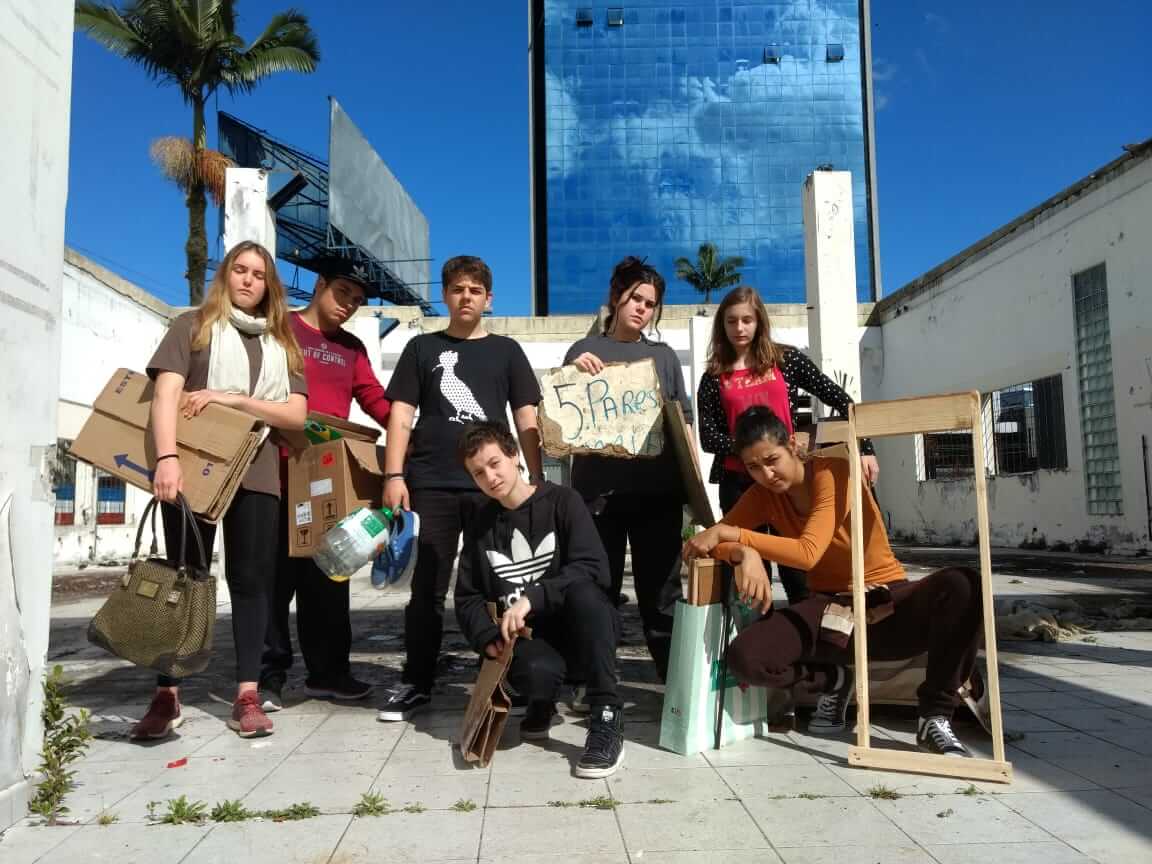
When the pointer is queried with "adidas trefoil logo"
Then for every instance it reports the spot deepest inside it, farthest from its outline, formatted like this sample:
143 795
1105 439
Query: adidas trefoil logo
524 565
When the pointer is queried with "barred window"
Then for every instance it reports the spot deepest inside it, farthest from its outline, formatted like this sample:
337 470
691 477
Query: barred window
1028 426
110 495
1023 432
63 474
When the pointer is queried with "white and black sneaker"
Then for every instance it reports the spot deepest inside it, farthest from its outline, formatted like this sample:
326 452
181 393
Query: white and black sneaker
537 721
831 714
935 735
402 703
271 690
604 746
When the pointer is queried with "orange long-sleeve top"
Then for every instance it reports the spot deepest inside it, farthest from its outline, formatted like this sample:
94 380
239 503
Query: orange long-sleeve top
819 543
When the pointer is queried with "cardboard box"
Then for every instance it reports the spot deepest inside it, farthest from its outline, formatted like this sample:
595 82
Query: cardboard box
216 447
297 439
326 482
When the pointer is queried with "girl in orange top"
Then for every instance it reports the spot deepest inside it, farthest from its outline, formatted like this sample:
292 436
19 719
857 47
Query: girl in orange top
805 501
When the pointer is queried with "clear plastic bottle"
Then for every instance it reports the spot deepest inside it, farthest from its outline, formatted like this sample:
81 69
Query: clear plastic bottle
353 542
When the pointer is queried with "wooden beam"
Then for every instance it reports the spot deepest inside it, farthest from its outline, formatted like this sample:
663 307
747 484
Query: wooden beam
918 414
992 770
860 626
988 612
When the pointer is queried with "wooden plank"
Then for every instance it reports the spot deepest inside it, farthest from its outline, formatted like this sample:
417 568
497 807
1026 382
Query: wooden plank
918 414
992 770
676 434
831 432
989 616
860 626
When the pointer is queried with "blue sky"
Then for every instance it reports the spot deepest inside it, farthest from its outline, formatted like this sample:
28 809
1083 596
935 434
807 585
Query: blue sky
981 116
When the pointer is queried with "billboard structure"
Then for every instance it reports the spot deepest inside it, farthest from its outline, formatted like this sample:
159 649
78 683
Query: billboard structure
351 206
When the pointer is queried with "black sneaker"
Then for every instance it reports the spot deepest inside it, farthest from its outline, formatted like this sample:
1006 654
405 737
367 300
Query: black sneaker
537 721
271 691
935 735
831 714
345 689
604 747
402 703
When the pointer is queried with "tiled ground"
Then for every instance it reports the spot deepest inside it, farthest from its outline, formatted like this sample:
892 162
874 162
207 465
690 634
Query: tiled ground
1083 766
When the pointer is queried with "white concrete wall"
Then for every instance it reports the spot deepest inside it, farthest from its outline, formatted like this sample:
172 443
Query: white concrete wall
36 68
1005 318
108 323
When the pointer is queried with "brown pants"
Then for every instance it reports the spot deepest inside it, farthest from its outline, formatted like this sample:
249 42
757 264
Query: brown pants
940 614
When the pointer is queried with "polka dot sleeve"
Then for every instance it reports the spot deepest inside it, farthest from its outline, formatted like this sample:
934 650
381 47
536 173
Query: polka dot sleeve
802 374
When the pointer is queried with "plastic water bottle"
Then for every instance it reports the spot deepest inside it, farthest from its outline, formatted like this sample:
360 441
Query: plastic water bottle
353 542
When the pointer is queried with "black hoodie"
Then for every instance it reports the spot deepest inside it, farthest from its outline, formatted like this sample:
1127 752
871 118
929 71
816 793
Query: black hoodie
538 550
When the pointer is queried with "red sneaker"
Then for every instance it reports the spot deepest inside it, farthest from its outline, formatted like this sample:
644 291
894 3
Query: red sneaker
248 718
162 717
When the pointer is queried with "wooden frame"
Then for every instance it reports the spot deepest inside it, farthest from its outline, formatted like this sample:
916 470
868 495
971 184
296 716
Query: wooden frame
907 417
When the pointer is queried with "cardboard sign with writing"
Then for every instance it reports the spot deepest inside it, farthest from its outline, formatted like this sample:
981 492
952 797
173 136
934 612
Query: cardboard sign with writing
215 447
615 413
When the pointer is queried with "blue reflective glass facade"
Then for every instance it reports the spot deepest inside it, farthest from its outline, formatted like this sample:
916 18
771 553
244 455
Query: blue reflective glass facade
658 126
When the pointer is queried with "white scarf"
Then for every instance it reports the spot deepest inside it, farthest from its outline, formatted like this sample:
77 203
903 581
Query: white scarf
228 367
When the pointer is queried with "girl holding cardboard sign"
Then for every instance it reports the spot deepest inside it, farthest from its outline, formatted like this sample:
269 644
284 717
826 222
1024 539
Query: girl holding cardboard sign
237 350
805 499
639 502
746 367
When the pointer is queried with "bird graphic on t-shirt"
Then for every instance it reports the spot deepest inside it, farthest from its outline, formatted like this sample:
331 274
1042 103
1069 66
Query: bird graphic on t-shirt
523 565
458 394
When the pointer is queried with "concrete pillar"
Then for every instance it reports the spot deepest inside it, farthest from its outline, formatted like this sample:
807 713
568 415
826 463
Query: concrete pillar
830 277
36 68
246 212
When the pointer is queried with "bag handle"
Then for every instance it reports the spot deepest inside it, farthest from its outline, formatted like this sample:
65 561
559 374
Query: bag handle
187 518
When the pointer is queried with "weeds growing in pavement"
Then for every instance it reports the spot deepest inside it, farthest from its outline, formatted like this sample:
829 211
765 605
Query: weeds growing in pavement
65 740
464 805
291 813
371 804
230 811
883 793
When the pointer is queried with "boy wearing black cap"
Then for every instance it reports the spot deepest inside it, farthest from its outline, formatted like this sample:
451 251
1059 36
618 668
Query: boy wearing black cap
338 370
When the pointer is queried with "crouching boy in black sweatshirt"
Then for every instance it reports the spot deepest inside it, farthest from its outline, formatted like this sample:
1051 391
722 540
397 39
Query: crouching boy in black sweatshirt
534 551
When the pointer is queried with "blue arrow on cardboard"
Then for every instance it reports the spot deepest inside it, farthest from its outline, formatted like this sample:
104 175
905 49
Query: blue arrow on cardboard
122 461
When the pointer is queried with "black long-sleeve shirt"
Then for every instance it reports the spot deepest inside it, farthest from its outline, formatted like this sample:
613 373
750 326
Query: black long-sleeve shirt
537 550
799 372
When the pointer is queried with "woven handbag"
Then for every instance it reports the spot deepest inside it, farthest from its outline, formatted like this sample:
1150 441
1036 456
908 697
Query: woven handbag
162 616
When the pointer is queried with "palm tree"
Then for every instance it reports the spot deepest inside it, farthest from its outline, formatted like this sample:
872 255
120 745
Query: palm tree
193 44
710 272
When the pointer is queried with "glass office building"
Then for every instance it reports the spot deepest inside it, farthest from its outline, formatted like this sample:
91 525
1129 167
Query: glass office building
659 125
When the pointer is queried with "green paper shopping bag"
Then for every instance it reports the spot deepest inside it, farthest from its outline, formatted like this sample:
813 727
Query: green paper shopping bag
695 679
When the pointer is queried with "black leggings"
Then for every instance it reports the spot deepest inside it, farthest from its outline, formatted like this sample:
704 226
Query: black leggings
249 565
577 641
652 526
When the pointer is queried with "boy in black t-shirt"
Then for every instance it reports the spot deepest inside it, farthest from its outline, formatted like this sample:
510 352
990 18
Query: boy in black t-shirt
456 376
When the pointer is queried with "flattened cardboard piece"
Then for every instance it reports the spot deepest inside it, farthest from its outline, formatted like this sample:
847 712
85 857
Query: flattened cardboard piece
676 432
487 710
615 413
215 447
326 482
297 439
